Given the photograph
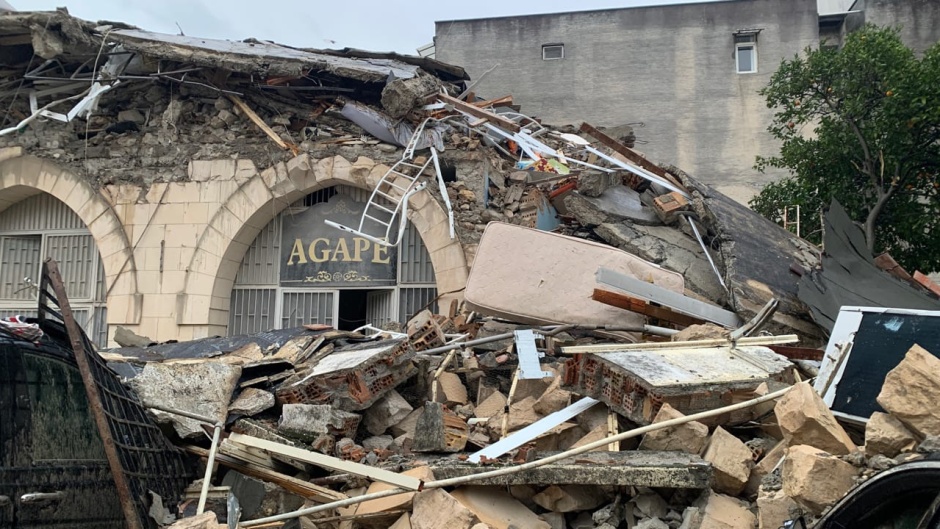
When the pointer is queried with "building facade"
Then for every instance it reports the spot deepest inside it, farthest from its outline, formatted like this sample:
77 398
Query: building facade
686 76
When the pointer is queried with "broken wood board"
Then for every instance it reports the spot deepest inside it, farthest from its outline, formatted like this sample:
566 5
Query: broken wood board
256 119
714 342
676 302
639 468
550 276
290 483
629 154
641 306
477 112
332 463
635 383
532 431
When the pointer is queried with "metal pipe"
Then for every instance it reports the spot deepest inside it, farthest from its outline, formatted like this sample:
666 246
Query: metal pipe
207 479
636 432
552 330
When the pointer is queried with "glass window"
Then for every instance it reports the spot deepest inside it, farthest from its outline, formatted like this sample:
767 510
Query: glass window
553 51
746 58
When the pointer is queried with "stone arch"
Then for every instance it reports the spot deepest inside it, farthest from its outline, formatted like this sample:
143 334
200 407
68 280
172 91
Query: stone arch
22 176
211 273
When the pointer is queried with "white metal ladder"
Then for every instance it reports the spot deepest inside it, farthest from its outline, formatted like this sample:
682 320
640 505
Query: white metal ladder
387 201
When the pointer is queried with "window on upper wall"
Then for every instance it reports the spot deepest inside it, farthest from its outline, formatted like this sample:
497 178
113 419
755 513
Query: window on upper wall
551 52
745 52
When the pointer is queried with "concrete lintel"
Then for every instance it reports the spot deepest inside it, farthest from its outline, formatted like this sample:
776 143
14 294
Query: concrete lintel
640 468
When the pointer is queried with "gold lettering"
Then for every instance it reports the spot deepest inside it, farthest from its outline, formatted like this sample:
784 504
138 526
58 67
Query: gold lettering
297 252
324 255
381 254
341 247
361 246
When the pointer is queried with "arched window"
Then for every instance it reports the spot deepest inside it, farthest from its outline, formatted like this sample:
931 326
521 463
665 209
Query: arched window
298 270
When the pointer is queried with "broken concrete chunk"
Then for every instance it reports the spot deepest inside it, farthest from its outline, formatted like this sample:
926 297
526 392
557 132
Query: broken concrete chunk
390 409
599 432
553 399
407 425
128 338
440 430
172 386
570 498
252 401
912 390
492 405
815 478
650 505
250 352
885 434
397 502
731 459
593 183
495 507
378 442
705 331
450 390
717 511
436 509
402 523
521 414
774 508
649 523
309 421
806 420
689 437
206 520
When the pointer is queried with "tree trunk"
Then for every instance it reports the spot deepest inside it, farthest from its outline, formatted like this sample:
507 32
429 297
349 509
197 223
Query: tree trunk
873 216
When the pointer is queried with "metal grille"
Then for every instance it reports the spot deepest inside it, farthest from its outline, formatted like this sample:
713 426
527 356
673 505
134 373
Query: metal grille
20 259
252 310
412 300
77 255
416 264
379 307
260 266
39 213
140 457
299 308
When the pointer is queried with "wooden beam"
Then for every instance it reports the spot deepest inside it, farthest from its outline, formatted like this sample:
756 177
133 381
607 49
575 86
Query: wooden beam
501 101
479 113
696 344
256 119
291 484
629 154
332 463
641 306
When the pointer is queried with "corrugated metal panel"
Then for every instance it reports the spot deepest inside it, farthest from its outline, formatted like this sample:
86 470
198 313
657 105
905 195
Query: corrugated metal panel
299 308
412 300
261 265
379 307
252 310
416 264
40 212
20 259
76 255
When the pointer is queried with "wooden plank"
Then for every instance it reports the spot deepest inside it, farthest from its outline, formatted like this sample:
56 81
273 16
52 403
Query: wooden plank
629 154
256 119
332 463
500 101
479 113
698 344
291 484
626 302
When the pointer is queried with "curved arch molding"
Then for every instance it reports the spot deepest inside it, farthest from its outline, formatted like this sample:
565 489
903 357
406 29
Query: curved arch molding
24 175
211 273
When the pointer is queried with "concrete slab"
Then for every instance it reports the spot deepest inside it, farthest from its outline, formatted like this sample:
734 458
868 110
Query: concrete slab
636 468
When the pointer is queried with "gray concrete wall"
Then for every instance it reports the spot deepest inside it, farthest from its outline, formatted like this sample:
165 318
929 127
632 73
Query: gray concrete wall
669 67
919 19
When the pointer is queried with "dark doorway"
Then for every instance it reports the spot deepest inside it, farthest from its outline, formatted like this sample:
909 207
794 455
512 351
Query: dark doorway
352 309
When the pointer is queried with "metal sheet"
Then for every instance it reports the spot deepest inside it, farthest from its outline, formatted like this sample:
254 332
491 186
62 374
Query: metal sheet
673 300
529 367
532 431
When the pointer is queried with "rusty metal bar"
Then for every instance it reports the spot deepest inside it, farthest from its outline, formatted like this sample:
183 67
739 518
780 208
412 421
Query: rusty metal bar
94 397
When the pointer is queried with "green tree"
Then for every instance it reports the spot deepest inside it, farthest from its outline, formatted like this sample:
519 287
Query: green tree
861 124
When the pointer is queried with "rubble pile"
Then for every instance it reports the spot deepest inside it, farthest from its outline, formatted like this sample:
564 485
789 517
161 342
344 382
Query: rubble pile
319 416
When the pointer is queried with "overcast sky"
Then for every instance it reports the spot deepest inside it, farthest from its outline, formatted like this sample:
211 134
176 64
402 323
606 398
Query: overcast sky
378 25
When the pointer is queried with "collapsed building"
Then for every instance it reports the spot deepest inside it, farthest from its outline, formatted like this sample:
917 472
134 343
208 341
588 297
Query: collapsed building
363 267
